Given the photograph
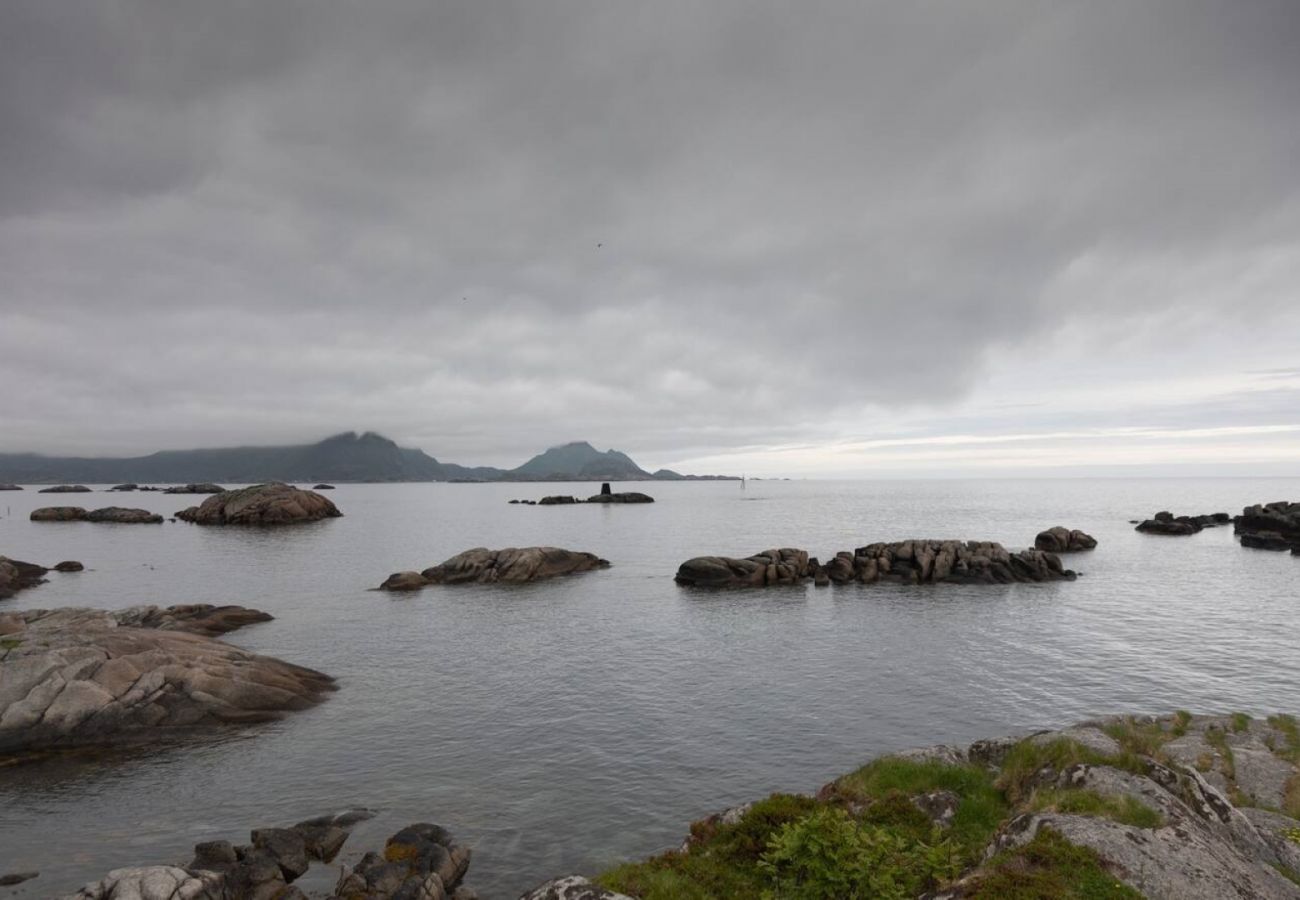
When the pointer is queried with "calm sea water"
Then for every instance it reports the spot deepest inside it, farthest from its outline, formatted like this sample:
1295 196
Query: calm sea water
568 725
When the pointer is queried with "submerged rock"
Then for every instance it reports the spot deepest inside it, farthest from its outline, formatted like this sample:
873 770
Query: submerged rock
261 504
65 489
206 487
1270 526
513 565
1064 540
83 677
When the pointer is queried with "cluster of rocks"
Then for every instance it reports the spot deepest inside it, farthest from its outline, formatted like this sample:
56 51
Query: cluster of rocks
420 862
513 565
117 514
205 487
605 496
905 562
1166 523
1064 540
65 489
86 677
1270 526
262 504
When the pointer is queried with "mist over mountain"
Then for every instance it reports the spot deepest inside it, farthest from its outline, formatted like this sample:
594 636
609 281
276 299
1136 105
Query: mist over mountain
343 457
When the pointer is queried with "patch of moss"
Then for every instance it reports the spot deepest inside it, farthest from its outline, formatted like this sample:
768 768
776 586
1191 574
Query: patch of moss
1049 868
1240 722
1218 739
1291 734
10 643
1287 872
1291 798
1126 810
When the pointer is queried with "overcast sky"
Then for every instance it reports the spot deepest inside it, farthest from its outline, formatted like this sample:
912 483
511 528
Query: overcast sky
791 239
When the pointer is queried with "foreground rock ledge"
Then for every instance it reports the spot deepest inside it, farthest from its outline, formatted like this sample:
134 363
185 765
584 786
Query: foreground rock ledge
1178 807
513 565
85 677
261 504
903 562
421 862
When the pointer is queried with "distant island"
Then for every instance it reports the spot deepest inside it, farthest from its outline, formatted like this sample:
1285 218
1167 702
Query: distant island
367 457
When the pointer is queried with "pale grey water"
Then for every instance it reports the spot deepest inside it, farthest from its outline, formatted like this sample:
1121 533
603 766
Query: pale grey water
564 726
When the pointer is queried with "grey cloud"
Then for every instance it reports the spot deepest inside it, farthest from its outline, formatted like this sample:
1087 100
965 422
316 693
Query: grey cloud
257 221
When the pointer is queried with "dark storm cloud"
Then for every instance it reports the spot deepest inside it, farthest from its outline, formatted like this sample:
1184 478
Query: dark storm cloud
268 221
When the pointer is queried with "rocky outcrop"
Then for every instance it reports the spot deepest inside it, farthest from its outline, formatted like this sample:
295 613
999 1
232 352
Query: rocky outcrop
420 862
205 487
1166 523
784 566
557 500
903 562
624 497
513 565
58 514
1149 805
1064 540
124 516
261 504
84 677
65 489
15 575
323 487
1270 526
68 565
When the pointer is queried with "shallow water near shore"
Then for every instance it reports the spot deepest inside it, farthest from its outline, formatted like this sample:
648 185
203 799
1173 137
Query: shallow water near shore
567 725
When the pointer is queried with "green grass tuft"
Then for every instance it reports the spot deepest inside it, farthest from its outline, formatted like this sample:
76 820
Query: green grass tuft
1182 718
1027 759
1291 733
1126 810
1240 722
1050 868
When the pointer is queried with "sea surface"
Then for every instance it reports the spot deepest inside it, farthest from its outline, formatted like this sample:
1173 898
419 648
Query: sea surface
564 726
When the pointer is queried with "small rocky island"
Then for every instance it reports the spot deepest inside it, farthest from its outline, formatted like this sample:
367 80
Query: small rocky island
1166 523
261 504
1178 807
1270 526
117 514
605 496
88 677
65 489
513 565
204 487
902 562
1064 540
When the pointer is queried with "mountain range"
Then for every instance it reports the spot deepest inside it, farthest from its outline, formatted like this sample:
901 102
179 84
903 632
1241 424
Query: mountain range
343 457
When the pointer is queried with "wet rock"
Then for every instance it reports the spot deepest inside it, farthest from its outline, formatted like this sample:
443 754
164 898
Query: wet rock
1270 526
124 516
125 487
69 565
262 504
65 489
10 487
201 488
16 575
1064 540
1166 523
12 878
58 514
513 565
323 487
84 677
571 887
420 862
404 581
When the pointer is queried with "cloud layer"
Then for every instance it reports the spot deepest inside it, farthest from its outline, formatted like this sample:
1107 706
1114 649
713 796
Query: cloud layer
691 231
